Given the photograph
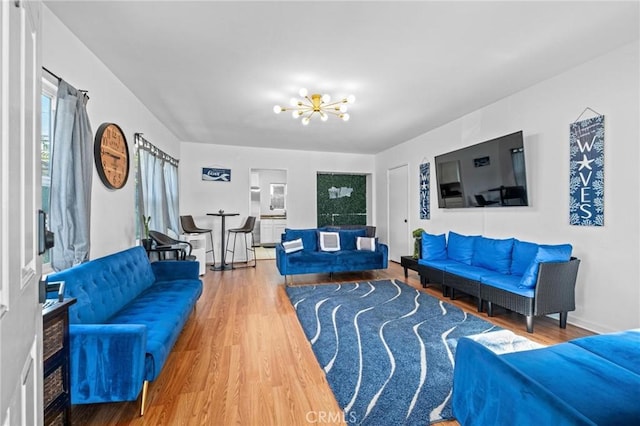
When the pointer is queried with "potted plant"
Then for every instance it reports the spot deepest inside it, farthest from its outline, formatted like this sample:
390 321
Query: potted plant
146 241
417 236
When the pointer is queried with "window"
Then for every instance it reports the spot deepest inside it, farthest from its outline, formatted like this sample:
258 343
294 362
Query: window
48 106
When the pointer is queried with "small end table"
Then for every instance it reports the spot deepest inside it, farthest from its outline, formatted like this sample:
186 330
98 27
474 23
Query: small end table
408 262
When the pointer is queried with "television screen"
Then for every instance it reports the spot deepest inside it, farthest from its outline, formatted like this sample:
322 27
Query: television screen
488 174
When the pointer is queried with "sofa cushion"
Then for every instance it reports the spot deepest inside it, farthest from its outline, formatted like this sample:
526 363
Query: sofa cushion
467 271
164 308
523 254
434 247
329 241
293 245
601 391
348 237
310 261
357 259
545 253
620 348
438 264
510 283
493 254
366 243
309 237
105 285
460 247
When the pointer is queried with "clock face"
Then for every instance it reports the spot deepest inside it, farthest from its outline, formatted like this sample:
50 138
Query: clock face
111 155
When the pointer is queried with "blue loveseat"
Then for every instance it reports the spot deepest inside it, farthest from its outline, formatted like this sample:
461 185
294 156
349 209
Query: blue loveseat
310 258
127 317
587 381
528 278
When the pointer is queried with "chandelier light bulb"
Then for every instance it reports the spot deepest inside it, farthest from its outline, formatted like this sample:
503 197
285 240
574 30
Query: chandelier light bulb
323 116
305 121
345 117
277 109
351 99
303 92
326 98
293 102
295 114
343 108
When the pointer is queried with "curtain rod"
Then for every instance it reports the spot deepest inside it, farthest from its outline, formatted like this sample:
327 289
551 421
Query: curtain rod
58 78
143 143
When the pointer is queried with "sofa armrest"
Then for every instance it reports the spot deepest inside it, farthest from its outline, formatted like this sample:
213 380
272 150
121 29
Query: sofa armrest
555 288
107 362
384 249
487 390
169 270
281 259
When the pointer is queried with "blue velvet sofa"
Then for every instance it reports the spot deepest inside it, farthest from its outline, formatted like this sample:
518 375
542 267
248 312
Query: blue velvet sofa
127 316
312 259
528 278
587 381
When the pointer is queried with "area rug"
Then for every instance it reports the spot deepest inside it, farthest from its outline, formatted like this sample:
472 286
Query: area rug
386 348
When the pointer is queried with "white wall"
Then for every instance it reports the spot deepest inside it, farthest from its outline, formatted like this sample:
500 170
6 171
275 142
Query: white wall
198 197
112 212
608 287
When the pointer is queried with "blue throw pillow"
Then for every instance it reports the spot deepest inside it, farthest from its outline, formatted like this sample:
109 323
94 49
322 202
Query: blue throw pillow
523 254
546 253
434 247
460 247
309 237
493 254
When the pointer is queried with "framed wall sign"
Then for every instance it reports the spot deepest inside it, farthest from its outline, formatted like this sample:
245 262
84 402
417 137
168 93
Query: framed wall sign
216 175
586 165
425 210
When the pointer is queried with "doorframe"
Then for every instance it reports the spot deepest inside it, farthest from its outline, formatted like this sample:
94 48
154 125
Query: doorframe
389 169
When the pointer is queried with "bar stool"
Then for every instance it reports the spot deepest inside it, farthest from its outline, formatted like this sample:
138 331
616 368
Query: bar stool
247 228
189 227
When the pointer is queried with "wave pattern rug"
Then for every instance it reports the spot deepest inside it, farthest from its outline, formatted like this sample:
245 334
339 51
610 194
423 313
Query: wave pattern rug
387 349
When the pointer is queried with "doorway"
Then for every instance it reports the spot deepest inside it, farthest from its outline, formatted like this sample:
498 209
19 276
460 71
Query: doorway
268 204
398 212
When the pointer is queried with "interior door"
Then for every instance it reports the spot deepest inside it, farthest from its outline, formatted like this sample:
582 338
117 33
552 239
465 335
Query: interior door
398 213
20 312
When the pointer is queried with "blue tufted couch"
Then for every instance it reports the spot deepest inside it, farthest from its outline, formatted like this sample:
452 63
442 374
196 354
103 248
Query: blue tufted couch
528 278
311 259
128 315
592 380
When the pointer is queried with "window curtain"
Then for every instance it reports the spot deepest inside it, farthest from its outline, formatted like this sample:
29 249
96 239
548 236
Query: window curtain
71 175
157 179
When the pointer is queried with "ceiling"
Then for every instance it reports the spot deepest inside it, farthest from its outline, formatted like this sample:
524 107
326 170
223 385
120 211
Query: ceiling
212 71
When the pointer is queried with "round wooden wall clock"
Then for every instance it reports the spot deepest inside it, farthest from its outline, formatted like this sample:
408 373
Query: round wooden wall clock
111 154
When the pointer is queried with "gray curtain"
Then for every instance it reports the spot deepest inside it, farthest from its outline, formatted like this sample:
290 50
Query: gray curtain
71 175
157 189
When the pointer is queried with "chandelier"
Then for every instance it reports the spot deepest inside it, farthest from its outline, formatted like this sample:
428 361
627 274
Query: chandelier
316 105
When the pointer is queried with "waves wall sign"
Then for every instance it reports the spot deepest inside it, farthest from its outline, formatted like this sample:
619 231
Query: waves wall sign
586 184
217 175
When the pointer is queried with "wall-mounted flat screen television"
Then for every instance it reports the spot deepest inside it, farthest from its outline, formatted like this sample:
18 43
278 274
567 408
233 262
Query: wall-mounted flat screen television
488 174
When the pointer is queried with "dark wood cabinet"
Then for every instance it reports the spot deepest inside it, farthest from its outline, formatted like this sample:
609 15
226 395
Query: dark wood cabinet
55 356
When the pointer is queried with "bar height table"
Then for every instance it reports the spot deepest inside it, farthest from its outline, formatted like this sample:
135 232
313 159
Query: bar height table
223 265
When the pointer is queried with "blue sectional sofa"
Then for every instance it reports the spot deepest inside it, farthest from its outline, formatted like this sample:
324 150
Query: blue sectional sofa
528 278
128 315
310 258
587 381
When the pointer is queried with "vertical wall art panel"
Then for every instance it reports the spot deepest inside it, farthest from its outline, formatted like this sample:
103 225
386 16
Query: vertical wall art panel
425 210
586 181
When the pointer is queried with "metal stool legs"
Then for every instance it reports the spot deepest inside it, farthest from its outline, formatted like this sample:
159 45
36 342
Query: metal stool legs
247 248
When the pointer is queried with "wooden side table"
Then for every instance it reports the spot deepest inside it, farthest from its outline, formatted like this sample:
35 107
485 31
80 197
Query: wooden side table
55 356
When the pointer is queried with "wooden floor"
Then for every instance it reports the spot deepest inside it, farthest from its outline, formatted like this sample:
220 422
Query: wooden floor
243 359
